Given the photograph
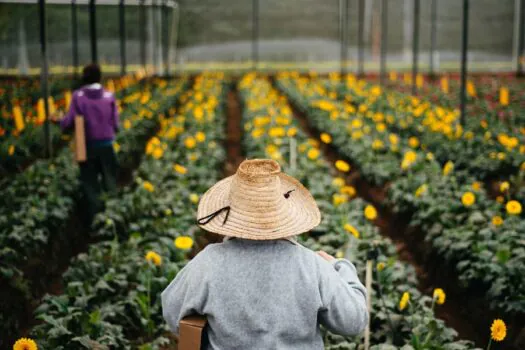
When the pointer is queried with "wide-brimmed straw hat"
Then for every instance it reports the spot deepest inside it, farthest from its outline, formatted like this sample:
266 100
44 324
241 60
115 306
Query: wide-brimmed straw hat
259 202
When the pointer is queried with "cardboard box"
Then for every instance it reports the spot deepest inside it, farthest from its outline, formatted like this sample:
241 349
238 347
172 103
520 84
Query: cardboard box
80 140
191 333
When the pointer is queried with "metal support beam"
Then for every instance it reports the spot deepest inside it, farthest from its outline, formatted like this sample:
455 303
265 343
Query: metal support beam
360 38
433 36
384 41
464 50
255 33
142 29
415 47
74 39
93 30
122 32
343 35
166 38
521 40
44 76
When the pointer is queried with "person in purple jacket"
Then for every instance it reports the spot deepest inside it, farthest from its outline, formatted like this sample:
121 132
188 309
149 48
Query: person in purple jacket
99 109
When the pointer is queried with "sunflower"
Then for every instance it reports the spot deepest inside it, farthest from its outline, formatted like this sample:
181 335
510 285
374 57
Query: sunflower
313 153
183 242
158 153
439 296
25 344
404 301
349 190
352 230
180 169
448 168
194 198
380 266
338 182
338 199
326 138
200 136
291 132
370 212
476 185
498 330
341 165
497 220
153 257
413 142
190 142
468 199
11 150
148 186
504 186
513 208
421 190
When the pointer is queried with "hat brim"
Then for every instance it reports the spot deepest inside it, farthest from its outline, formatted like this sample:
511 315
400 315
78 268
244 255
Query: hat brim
299 213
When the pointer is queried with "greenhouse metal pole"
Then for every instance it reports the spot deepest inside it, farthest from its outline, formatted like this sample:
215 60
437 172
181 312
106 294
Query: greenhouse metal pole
165 45
255 33
93 31
433 30
464 48
122 29
415 46
521 40
343 27
74 38
360 38
384 42
44 77
142 25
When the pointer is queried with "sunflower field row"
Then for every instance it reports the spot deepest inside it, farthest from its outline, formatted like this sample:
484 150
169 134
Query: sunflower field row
37 205
497 97
347 228
486 147
111 297
462 227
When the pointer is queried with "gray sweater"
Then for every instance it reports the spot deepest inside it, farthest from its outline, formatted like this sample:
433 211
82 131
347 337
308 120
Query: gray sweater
266 295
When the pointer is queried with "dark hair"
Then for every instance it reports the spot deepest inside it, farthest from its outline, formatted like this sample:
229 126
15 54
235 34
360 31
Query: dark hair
91 74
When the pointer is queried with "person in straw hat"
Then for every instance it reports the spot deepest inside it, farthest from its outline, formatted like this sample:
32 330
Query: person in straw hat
260 289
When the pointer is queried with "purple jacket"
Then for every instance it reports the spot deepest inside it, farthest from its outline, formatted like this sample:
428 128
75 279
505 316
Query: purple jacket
100 112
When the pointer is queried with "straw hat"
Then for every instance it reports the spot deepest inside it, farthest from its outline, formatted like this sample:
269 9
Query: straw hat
258 202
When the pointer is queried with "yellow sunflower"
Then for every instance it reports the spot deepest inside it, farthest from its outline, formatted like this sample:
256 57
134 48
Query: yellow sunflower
326 138
497 220
404 301
352 230
153 257
313 153
183 242
148 186
498 330
468 199
370 212
513 208
439 295
343 166
25 344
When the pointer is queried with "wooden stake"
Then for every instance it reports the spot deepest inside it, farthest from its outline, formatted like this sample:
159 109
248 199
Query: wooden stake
368 285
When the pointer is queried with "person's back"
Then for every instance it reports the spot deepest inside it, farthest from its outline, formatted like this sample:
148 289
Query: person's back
99 110
266 295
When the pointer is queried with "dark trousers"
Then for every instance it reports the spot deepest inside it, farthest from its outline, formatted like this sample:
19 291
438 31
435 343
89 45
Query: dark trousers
98 174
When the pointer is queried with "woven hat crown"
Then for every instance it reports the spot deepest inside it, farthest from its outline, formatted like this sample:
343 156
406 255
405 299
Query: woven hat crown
258 202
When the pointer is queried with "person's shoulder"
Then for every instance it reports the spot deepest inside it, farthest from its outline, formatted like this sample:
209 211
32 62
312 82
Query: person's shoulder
78 93
108 94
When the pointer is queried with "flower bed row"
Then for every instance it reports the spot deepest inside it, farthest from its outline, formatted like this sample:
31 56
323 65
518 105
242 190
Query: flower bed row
35 208
477 237
487 147
112 293
400 314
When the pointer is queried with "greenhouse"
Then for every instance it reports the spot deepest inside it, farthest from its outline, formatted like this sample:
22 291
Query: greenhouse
299 174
